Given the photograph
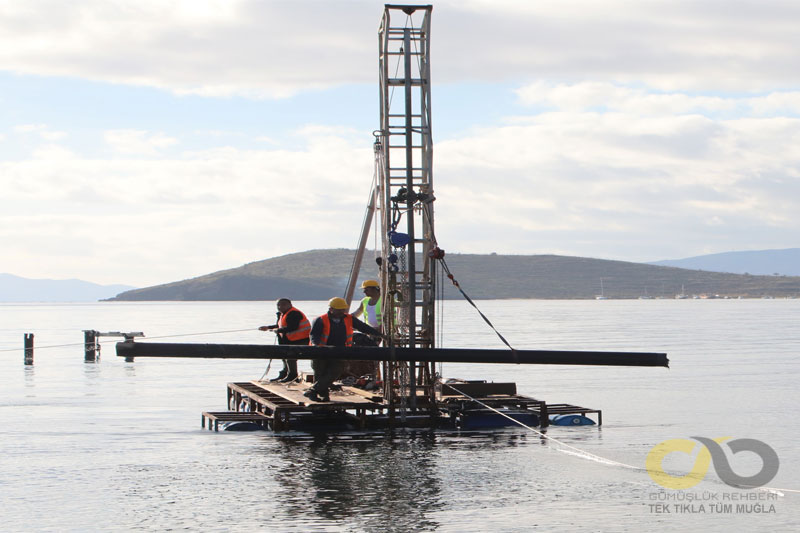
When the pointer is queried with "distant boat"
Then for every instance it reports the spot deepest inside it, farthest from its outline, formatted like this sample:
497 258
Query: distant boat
682 295
601 296
645 296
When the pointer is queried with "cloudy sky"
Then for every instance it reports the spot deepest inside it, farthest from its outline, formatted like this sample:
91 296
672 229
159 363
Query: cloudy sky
148 141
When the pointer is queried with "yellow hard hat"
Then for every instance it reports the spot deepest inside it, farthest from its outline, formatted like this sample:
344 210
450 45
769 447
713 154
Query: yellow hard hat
337 303
370 283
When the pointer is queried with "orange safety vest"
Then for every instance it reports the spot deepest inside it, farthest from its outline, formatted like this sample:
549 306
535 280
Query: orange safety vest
303 329
326 329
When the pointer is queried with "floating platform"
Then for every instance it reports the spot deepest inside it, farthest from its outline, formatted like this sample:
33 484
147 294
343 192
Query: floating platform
467 405
214 419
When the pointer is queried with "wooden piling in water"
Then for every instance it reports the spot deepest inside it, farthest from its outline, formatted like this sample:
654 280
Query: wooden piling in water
90 346
28 342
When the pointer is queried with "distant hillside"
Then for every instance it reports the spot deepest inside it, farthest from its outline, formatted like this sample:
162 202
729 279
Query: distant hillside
760 262
312 275
18 289
321 274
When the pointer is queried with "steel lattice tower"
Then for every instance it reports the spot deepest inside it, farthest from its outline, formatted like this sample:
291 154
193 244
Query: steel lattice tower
405 198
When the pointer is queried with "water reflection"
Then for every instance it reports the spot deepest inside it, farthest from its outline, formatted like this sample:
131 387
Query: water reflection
130 370
378 482
91 370
392 481
30 374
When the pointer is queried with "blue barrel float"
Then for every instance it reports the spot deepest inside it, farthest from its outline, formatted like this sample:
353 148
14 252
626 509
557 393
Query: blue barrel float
571 420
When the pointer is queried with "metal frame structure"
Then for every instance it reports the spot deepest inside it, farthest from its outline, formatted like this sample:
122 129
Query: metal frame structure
404 146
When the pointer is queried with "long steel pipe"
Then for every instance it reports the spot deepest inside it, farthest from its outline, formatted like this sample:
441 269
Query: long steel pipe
369 353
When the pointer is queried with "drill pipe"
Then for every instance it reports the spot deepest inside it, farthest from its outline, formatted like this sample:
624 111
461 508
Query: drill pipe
369 353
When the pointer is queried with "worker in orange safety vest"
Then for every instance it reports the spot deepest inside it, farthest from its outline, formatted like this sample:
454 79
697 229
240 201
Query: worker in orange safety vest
292 328
334 328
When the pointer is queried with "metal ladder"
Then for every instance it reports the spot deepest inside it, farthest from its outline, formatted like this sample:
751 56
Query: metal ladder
406 193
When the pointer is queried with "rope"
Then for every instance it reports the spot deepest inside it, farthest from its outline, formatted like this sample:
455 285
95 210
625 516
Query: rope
36 348
464 294
426 212
588 455
203 333
544 435
44 347
440 314
269 363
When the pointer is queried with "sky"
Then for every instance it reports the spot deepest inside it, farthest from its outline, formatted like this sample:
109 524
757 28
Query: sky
149 141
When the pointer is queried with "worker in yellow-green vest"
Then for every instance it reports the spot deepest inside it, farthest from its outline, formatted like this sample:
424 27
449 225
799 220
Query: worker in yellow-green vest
371 304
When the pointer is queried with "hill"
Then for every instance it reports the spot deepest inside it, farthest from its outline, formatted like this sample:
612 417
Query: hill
19 289
311 275
320 274
761 262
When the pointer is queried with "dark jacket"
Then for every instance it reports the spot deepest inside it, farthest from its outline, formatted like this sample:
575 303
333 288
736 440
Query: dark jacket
292 323
338 334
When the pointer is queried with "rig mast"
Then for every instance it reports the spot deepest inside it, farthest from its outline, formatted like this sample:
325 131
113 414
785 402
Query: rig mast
405 199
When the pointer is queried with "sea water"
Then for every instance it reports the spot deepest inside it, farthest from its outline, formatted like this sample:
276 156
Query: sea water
116 446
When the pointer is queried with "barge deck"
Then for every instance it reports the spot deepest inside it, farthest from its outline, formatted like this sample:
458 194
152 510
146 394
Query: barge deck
282 406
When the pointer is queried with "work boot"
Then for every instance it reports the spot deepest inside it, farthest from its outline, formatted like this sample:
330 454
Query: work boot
290 365
311 394
280 377
325 397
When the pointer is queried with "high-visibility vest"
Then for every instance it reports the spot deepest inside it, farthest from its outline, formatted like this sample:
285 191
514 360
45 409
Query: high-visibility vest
326 329
303 329
365 312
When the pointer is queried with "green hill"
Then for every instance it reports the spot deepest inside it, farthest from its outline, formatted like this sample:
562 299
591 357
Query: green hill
321 274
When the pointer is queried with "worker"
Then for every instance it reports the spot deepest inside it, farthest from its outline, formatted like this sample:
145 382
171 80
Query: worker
370 311
292 328
371 304
334 328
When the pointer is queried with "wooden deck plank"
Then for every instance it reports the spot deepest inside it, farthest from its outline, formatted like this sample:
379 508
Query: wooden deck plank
371 395
293 392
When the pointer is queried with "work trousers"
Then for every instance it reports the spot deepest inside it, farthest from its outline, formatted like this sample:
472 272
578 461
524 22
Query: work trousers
290 365
326 371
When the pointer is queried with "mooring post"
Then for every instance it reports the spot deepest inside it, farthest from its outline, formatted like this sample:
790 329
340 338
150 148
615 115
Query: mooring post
130 337
90 345
29 348
544 415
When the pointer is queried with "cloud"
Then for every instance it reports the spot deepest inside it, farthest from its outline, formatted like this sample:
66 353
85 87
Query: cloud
652 130
577 182
581 181
606 96
161 219
207 47
41 130
138 142
268 49
52 152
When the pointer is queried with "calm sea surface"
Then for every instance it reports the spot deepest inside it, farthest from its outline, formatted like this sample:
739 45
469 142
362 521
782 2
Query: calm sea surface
118 446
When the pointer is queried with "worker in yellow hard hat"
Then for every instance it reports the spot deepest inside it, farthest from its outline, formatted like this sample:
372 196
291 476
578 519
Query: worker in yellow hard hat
334 328
371 304
369 310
